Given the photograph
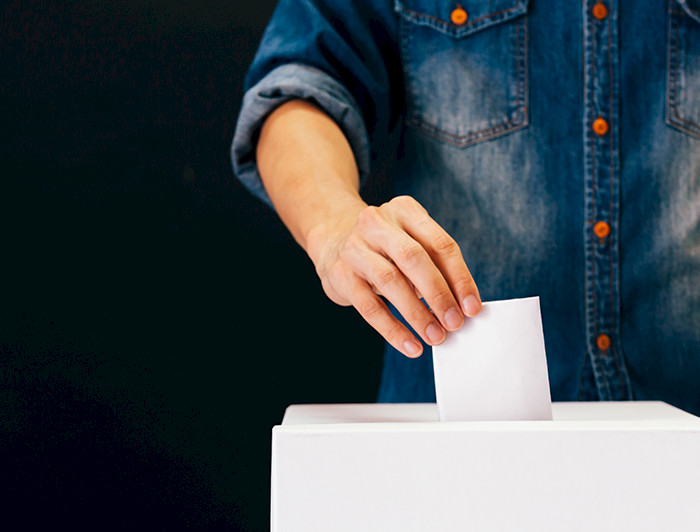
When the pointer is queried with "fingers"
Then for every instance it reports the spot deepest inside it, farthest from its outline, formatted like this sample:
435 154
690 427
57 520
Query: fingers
428 257
445 254
398 251
392 283
375 312
414 263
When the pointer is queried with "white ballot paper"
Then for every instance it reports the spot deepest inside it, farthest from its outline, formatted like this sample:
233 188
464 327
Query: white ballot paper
495 368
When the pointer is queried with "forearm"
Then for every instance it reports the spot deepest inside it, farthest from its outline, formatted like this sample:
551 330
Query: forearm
309 171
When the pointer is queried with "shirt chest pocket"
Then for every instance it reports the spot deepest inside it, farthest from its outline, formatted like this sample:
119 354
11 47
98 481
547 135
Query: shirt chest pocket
683 85
465 67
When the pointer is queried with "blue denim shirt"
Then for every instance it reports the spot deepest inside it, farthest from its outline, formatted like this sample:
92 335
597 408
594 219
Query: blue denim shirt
557 142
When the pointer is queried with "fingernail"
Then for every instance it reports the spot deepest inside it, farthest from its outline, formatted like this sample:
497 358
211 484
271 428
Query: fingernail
472 306
453 319
435 333
412 348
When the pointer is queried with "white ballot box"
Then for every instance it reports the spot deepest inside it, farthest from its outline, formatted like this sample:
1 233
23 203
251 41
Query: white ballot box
631 466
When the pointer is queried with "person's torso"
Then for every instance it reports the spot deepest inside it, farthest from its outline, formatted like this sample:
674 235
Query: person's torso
559 143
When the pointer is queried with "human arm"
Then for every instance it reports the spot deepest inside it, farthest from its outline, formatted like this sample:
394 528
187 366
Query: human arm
360 252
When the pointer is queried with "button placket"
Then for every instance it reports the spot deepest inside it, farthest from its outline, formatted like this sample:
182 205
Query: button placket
601 103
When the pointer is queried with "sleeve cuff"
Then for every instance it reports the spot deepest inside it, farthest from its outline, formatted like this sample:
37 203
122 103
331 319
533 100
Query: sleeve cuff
292 82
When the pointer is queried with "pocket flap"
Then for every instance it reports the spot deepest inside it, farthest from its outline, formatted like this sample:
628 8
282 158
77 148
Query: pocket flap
692 7
480 13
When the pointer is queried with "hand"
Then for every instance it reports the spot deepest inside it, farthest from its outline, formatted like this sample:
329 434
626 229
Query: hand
399 252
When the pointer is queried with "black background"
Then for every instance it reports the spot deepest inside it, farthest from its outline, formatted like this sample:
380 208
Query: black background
156 319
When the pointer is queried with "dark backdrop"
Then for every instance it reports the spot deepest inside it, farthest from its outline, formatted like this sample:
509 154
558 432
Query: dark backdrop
155 319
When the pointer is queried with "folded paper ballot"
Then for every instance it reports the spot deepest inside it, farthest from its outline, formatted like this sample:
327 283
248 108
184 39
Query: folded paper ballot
495 367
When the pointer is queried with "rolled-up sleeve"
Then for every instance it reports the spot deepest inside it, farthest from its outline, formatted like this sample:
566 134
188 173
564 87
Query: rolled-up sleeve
291 82
342 57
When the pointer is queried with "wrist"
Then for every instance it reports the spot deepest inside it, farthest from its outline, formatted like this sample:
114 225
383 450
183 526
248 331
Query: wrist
323 237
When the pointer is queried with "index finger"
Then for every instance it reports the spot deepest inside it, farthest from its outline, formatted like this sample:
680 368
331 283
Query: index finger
446 255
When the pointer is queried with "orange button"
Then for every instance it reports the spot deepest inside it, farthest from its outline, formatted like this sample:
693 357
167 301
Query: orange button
600 127
600 11
458 16
601 229
603 342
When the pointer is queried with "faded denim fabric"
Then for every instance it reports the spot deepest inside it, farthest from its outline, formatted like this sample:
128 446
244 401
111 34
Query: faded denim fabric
498 125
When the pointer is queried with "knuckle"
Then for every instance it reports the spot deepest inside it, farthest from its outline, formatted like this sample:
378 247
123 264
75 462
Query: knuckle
333 294
403 202
394 332
465 284
368 217
370 308
442 298
334 282
444 244
410 253
418 316
398 201
387 275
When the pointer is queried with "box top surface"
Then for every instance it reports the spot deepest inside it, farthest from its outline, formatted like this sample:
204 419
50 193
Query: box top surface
423 416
